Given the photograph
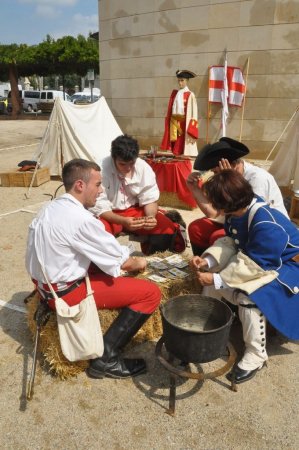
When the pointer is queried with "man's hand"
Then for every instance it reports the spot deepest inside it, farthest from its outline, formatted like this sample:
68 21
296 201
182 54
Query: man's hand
134 264
150 222
224 164
134 223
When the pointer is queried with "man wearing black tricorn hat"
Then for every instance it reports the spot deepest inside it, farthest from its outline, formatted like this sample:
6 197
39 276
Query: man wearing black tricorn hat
225 154
181 124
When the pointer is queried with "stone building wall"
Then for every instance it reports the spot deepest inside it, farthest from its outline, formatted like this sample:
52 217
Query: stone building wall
144 42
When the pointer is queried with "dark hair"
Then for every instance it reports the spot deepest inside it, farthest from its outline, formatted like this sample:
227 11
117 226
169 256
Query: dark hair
125 148
228 190
235 162
77 169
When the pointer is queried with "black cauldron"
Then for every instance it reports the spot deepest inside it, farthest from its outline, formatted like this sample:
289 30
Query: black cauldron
196 328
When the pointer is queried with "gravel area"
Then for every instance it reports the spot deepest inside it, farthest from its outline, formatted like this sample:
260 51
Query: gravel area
123 414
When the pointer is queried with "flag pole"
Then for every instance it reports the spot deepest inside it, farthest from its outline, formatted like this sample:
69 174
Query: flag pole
224 96
243 106
208 107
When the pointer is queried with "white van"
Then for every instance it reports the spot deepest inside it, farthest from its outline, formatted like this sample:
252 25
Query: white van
47 99
30 99
49 96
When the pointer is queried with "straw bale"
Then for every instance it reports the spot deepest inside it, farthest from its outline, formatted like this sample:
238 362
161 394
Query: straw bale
151 330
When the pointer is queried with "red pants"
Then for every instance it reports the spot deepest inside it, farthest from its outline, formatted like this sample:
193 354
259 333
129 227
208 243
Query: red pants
113 293
164 224
204 232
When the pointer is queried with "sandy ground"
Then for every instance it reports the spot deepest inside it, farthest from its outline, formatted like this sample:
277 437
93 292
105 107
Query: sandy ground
116 414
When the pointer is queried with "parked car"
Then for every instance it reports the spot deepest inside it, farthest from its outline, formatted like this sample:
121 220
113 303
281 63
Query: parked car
76 96
84 99
49 96
30 100
47 99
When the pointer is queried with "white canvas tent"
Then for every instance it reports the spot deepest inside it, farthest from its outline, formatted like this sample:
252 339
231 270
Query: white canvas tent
77 131
285 166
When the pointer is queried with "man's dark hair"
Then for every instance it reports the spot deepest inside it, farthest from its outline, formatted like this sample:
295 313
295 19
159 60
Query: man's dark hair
125 148
228 190
77 169
235 162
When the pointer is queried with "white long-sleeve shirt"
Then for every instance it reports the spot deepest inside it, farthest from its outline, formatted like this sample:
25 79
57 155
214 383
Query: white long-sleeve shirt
122 193
67 238
264 185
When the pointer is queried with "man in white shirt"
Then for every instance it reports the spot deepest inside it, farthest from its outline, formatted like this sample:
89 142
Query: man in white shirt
226 154
129 201
66 238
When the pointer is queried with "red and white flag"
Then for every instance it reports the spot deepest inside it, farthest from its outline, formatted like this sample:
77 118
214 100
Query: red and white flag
235 83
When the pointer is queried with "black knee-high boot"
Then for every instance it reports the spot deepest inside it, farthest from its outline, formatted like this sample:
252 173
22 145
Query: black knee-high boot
111 364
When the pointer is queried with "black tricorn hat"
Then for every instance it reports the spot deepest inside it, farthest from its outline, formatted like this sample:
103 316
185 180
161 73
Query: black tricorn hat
227 148
185 74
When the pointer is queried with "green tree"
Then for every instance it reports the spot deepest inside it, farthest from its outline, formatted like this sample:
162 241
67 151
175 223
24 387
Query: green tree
15 61
65 56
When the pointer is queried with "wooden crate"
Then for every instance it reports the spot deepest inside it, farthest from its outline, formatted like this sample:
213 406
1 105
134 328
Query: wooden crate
23 179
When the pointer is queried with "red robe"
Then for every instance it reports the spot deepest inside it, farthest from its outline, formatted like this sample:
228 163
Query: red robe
178 146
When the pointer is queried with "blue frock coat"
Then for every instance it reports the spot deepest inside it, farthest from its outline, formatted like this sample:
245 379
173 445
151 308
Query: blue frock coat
272 240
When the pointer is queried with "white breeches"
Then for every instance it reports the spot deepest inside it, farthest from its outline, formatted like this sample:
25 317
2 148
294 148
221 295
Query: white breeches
253 324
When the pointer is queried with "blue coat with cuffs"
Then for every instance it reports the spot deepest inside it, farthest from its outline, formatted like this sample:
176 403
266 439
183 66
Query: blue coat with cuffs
271 240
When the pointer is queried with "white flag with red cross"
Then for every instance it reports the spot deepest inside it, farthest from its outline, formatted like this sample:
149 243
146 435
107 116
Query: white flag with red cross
235 84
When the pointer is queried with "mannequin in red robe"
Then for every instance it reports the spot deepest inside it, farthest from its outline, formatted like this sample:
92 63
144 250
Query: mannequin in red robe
181 124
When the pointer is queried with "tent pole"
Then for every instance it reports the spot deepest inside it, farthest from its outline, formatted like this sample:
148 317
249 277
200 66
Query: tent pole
27 194
283 131
243 106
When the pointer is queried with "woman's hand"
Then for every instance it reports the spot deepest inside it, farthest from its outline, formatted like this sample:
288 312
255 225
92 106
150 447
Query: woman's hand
205 278
198 263
194 181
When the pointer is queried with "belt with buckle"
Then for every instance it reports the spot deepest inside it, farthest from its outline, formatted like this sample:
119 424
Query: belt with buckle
49 296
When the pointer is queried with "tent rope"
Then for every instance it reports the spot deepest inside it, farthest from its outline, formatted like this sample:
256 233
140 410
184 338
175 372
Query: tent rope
283 131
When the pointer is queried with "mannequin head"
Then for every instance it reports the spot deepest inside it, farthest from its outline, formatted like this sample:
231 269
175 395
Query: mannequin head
183 77
182 82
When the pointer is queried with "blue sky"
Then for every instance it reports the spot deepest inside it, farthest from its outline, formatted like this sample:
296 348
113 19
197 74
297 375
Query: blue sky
29 21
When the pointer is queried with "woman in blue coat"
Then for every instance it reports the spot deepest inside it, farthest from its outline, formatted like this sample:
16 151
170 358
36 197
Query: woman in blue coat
255 267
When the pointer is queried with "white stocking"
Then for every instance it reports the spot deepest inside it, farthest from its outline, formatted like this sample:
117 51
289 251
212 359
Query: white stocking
253 324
